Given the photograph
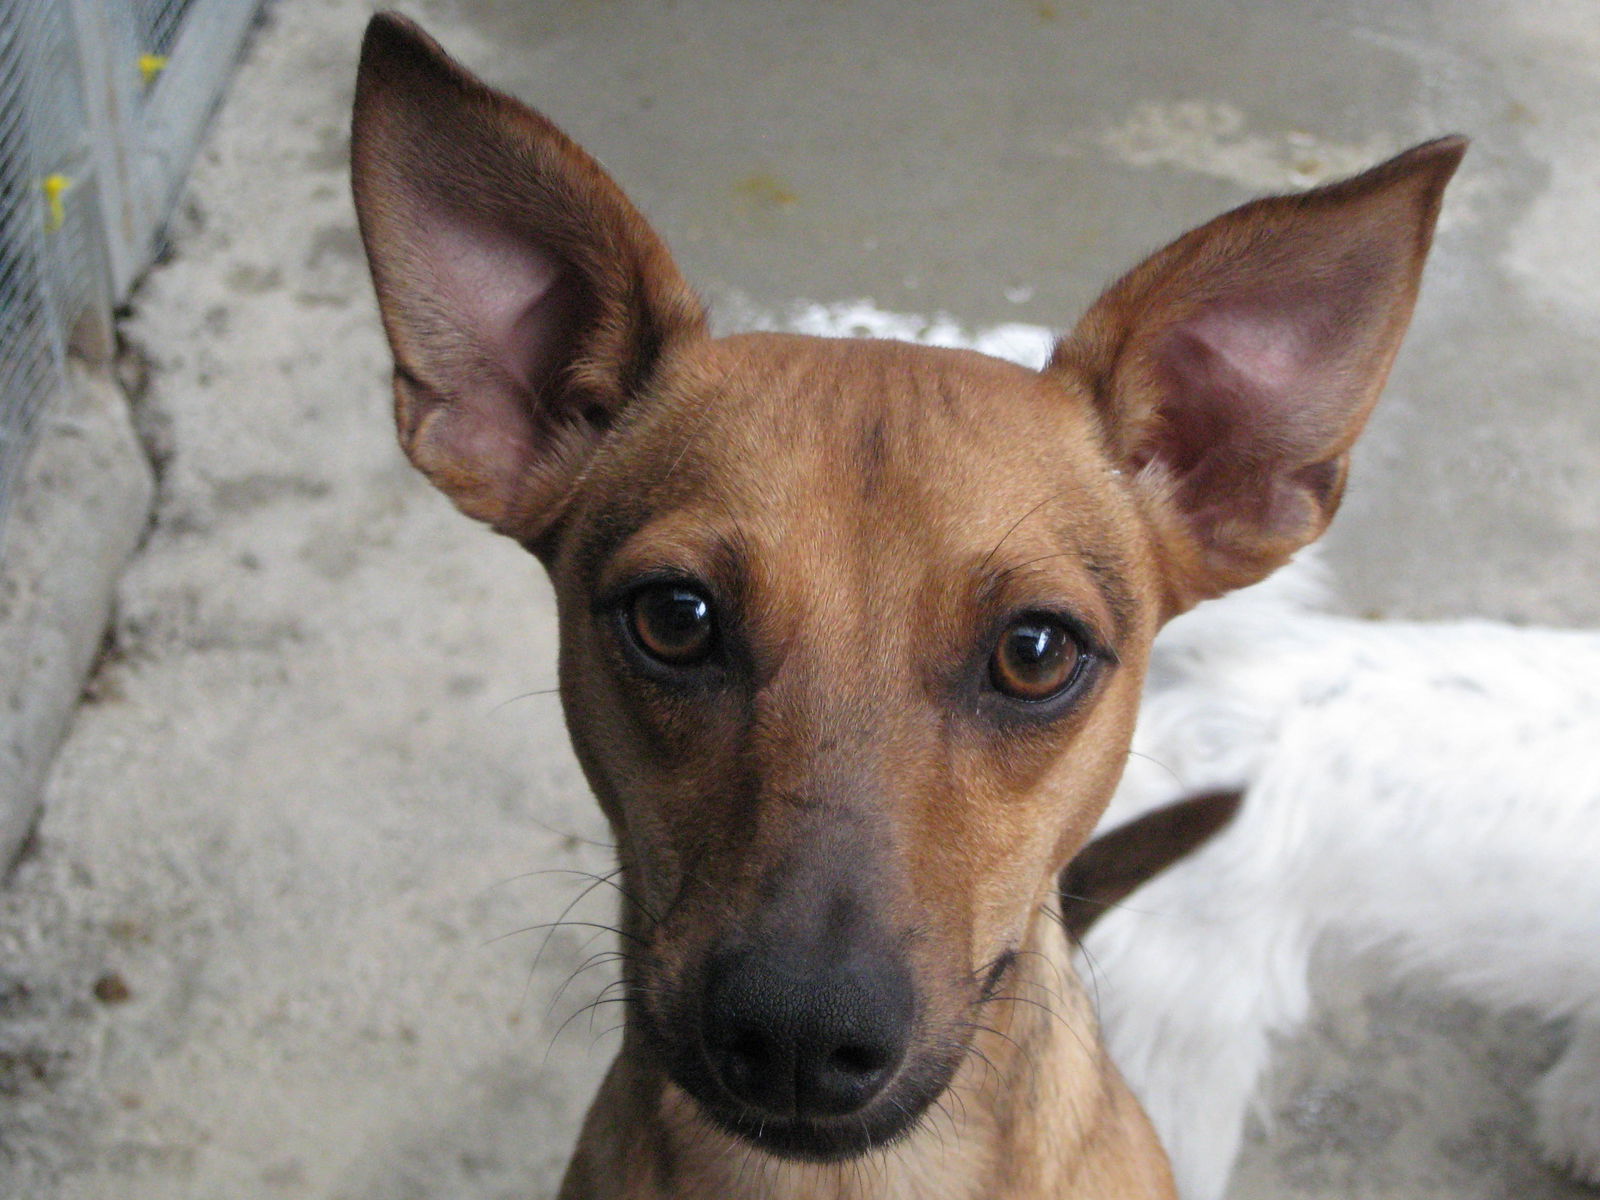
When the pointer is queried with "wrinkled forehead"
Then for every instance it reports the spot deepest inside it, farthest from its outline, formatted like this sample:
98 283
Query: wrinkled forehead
869 471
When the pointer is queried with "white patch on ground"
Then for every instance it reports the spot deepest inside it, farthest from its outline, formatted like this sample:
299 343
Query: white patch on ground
1027 345
1210 137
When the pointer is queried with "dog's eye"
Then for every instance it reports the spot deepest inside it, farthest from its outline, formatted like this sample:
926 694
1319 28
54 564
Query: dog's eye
1036 659
672 623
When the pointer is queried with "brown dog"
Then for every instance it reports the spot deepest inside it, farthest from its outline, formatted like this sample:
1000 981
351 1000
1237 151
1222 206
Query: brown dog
853 631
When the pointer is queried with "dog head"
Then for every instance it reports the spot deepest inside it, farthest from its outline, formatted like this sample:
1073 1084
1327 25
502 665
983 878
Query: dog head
852 632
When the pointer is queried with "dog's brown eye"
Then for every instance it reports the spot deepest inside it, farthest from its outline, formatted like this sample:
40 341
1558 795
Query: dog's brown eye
672 623
1037 657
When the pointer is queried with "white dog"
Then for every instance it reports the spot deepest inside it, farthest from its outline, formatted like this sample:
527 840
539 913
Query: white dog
1431 787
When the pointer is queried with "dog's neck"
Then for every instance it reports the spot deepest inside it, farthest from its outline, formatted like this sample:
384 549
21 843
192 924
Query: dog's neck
1035 1109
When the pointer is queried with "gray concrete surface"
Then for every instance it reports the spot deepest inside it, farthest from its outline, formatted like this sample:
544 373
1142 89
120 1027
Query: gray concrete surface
82 504
267 942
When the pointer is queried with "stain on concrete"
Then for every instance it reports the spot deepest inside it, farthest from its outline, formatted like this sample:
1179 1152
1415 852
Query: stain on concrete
332 152
764 192
262 488
340 242
251 280
1212 137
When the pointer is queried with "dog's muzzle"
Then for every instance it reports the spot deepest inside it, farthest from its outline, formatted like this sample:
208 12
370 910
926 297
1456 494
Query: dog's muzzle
805 1051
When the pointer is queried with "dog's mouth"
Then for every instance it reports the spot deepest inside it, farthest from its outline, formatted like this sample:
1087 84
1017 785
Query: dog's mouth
896 1111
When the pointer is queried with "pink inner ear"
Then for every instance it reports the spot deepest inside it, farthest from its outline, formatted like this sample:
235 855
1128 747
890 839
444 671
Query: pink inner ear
1245 384
1265 351
499 289
499 318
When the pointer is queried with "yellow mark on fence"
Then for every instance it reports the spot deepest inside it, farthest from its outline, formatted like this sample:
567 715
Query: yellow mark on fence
55 188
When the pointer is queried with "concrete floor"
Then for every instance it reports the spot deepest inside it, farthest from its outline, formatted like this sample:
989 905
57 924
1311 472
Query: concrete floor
253 952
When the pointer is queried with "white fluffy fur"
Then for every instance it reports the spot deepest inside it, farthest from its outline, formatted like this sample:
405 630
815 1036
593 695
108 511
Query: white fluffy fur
1431 787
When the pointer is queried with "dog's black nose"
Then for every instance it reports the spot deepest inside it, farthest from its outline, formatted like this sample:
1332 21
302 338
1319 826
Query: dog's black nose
799 1038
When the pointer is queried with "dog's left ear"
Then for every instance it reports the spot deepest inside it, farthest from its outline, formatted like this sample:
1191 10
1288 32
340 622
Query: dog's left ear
1234 369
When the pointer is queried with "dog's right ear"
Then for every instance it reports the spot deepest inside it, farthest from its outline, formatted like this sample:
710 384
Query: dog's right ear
525 299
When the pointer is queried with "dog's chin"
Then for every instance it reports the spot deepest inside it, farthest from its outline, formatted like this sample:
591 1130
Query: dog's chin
891 1116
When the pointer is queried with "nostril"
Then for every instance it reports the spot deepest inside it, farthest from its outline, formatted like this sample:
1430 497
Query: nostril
843 1078
859 1060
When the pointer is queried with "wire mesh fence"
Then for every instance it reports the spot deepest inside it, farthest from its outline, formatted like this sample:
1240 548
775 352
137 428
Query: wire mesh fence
102 103
40 272
158 22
